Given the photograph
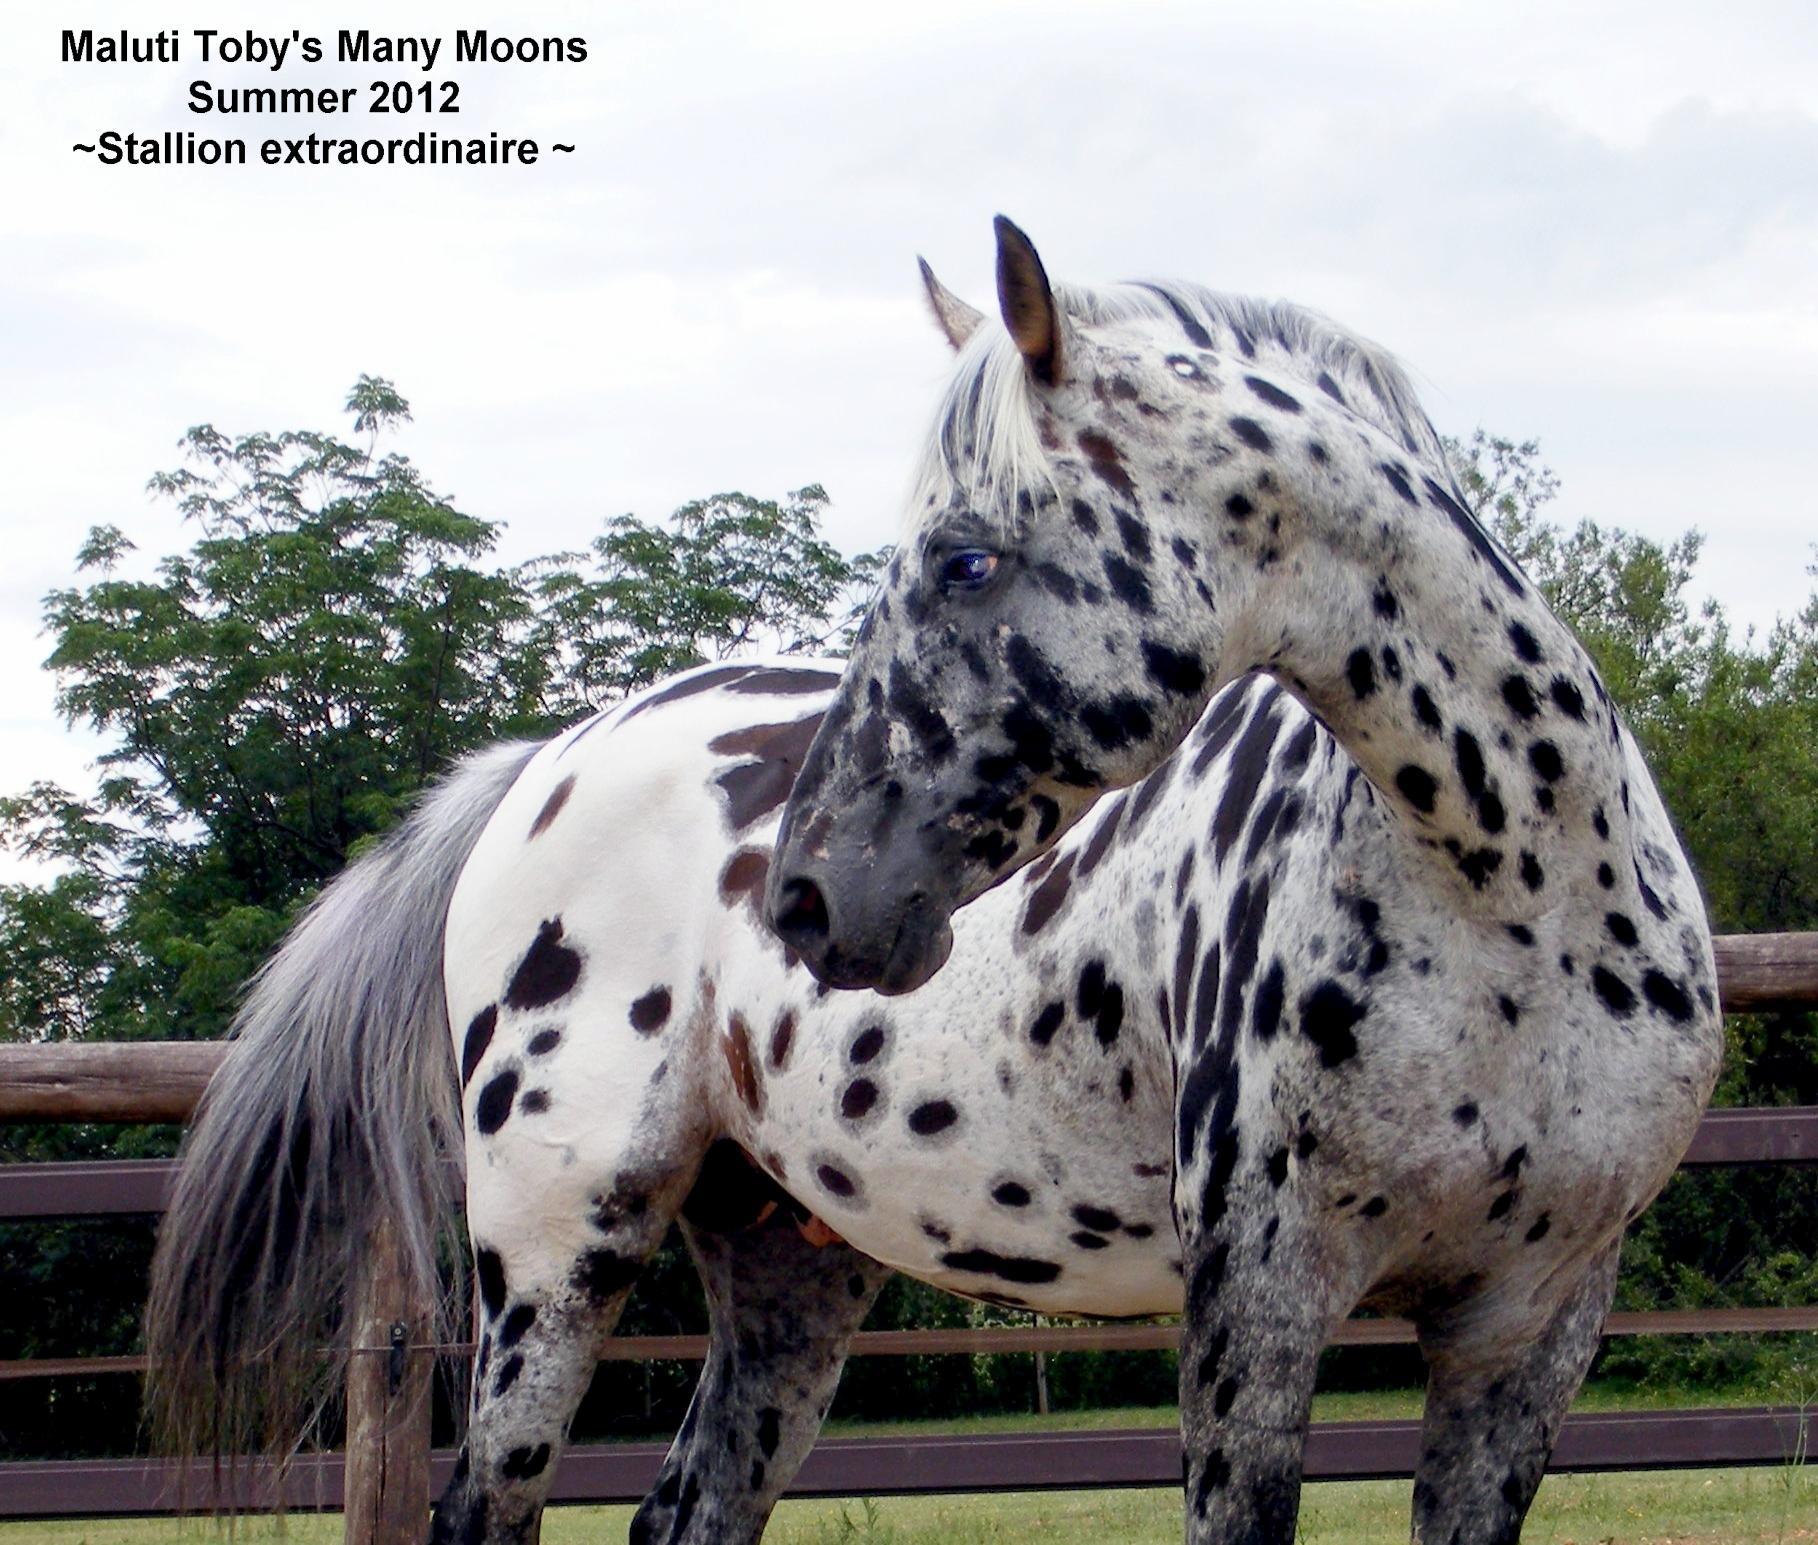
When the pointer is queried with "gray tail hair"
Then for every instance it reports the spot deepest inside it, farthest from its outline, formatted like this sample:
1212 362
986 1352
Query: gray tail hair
336 1108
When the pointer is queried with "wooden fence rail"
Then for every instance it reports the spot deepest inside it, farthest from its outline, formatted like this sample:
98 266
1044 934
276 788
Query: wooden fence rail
96 1188
385 1484
163 1080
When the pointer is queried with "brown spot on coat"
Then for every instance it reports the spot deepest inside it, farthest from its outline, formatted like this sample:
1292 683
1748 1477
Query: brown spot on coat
755 788
745 1076
1106 461
1048 896
786 680
723 676
552 807
780 1039
743 877
1104 834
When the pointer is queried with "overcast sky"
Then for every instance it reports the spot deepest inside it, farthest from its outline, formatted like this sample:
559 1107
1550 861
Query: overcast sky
1594 224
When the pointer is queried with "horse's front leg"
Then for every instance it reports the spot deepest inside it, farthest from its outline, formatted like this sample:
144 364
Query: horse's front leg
1498 1388
1261 1296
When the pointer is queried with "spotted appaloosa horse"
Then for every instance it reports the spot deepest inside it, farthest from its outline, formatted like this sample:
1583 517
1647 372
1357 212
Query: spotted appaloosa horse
1388 984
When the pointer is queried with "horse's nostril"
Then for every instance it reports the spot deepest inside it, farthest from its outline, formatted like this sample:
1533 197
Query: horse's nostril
801 913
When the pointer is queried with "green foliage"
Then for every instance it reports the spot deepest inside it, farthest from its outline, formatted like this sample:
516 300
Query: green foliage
272 695
725 575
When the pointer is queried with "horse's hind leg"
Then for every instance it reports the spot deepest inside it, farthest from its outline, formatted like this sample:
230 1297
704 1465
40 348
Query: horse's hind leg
1494 1405
553 1273
782 1312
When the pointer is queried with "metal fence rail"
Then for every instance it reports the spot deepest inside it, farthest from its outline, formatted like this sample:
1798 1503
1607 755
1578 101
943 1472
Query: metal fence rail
921 1465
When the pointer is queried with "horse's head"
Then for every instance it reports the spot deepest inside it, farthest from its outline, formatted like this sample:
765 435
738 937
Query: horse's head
1099 502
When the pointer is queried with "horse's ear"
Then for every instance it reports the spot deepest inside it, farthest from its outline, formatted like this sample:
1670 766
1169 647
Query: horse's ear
955 318
1030 313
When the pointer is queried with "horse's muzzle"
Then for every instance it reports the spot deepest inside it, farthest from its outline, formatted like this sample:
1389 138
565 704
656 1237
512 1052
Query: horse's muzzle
848 944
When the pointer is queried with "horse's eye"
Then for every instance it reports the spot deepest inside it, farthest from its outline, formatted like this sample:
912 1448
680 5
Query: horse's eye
968 569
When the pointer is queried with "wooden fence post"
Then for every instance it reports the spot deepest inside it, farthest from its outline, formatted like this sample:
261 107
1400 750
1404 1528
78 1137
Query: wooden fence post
388 1405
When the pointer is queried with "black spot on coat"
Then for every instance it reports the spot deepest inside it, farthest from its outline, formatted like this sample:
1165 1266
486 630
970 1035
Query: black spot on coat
1052 1016
1418 786
491 1271
1328 1018
1174 672
521 1318
1252 434
1467 526
1128 583
1012 1268
1398 480
1519 696
931 1117
1526 645
1273 395
548 971
524 1464
1667 996
651 1011
602 1274
1249 762
835 1180
478 1038
769 1431
494 1103
1617 995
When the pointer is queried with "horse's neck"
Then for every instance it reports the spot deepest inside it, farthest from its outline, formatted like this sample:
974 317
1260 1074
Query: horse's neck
1471 708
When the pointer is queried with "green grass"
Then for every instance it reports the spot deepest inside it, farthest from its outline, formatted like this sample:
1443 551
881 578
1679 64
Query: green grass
1734 1507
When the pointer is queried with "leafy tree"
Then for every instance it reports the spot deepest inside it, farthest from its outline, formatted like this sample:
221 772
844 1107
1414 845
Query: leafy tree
727 575
273 696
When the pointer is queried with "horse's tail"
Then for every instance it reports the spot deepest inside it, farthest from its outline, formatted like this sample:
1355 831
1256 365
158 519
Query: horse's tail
336 1108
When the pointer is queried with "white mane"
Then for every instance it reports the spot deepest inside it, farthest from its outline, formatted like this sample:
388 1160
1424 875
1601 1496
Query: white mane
985 419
